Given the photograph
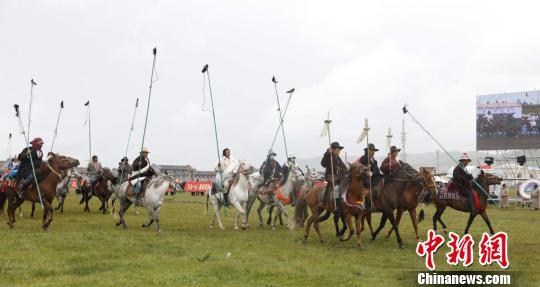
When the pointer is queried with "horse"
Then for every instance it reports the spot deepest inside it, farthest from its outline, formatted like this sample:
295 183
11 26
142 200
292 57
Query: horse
312 198
391 196
103 188
63 187
410 198
293 195
281 198
51 173
458 203
238 195
86 195
352 203
153 199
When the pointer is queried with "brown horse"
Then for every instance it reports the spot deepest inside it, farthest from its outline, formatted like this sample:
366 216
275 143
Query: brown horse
458 203
51 173
352 202
102 188
390 197
312 198
409 199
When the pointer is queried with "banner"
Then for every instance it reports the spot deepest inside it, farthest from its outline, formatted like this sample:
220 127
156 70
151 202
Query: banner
197 186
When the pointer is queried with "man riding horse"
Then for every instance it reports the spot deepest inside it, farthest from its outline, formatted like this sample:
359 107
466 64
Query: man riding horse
29 155
124 169
94 169
368 159
336 167
227 166
462 180
141 173
391 164
271 171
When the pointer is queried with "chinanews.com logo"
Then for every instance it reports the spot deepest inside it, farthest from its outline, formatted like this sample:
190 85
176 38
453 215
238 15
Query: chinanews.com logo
492 249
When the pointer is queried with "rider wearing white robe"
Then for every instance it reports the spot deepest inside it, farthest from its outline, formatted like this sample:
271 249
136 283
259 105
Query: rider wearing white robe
227 165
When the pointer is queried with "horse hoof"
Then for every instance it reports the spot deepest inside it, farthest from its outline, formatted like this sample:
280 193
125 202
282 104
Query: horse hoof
373 238
118 224
144 225
222 228
400 245
273 228
210 226
322 241
360 246
445 231
236 228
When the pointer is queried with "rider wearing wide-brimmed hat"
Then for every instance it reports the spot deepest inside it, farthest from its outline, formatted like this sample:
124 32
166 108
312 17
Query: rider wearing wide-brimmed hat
25 174
271 170
336 167
391 163
368 159
462 180
141 169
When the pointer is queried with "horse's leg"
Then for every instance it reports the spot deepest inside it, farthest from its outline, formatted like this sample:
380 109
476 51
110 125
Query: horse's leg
348 221
33 210
336 223
156 218
472 215
259 212
13 204
342 231
217 206
359 227
381 225
399 213
325 216
308 227
390 214
270 211
412 213
150 217
486 219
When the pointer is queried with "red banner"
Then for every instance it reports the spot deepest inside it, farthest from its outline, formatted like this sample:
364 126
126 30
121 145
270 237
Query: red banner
197 186
320 183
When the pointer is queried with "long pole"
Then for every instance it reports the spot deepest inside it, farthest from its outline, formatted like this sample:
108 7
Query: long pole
290 92
206 70
8 150
89 122
132 126
56 127
17 114
366 130
327 123
280 116
32 84
154 51
406 111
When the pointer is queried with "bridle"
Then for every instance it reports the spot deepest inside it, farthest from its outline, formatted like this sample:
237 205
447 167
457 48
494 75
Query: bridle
53 170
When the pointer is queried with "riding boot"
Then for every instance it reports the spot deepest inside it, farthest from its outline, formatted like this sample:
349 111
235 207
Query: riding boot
226 199
337 210
138 194
24 187
469 201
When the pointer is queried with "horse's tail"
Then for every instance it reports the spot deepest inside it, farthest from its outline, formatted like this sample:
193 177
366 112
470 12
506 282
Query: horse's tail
300 211
421 214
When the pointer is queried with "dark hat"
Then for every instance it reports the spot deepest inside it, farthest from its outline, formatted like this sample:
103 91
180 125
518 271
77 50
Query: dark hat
394 149
371 147
336 145
124 158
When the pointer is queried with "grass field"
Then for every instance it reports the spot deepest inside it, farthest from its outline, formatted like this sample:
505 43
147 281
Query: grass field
86 249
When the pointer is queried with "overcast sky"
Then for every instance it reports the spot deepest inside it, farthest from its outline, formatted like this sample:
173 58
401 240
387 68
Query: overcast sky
355 59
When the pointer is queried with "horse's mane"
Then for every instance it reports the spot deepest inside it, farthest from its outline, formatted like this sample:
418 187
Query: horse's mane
474 171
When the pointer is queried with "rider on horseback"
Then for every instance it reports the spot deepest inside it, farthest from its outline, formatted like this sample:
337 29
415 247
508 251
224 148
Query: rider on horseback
227 165
462 179
333 163
25 174
141 169
124 169
368 159
391 164
94 169
271 170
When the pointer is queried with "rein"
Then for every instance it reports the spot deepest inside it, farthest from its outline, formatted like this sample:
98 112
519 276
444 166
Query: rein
53 171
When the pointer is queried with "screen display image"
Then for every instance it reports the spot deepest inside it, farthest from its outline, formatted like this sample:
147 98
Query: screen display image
508 121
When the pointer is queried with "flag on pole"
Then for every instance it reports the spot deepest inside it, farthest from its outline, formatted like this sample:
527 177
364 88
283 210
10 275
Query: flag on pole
87 104
326 127
364 133
389 139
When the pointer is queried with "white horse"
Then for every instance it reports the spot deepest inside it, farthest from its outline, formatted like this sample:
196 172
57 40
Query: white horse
281 199
152 200
238 195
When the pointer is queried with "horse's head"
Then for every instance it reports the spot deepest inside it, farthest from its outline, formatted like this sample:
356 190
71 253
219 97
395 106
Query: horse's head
313 175
62 162
245 168
428 181
297 175
108 175
358 171
490 179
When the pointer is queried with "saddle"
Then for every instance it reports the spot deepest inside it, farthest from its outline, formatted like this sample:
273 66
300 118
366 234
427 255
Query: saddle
130 192
9 182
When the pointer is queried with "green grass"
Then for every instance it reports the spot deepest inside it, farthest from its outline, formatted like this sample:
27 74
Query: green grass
86 249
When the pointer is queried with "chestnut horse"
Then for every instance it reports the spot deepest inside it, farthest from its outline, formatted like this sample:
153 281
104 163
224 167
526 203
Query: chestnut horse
352 202
390 197
51 174
409 199
484 180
